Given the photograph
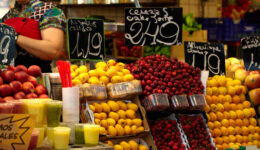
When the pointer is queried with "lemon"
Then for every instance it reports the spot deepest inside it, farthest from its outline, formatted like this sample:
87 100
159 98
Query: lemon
98 107
130 114
138 122
104 79
132 106
133 145
114 115
129 122
113 105
121 74
103 115
76 82
101 64
93 80
134 129
118 147
110 143
122 105
111 72
140 129
97 121
128 130
104 123
97 116
92 108
105 107
128 77
92 73
122 122
120 66
142 147
74 75
100 72
116 79
120 130
83 69
111 62
112 131
73 67
126 71
102 130
125 145
84 77
122 114
111 122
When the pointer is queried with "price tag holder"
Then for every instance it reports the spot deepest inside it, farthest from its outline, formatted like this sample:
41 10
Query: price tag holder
198 101
153 26
7 45
251 52
206 56
15 131
86 39
180 101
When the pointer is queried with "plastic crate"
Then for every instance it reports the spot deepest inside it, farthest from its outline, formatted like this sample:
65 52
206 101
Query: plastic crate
214 26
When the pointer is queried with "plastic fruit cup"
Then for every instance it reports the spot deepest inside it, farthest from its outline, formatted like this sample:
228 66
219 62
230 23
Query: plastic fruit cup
50 135
6 108
91 133
45 101
79 133
35 107
34 139
18 106
53 109
40 136
62 137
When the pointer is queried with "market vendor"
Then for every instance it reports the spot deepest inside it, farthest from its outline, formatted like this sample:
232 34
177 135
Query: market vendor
40 29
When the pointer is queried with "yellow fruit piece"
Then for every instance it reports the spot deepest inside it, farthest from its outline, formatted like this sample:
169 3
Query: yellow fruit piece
217 124
221 99
252 121
238 130
118 147
129 122
121 122
76 82
102 131
231 130
132 106
231 90
111 72
242 98
245 139
209 91
239 89
83 77
237 82
213 108
98 107
206 108
214 99
239 138
239 122
120 66
220 107
142 147
100 72
120 130
110 143
130 114
97 121
111 122
208 99
113 105
93 80
133 145
101 64
233 114
225 139
246 104
122 114
213 83
232 122
244 90
253 113
104 123
222 90
82 69
134 129
212 116
214 90
128 77
74 75
245 122
219 140
91 107
247 112
222 81
120 74
226 115
224 131
104 80
111 62
112 131
138 122
228 99
240 114
216 132
236 99
122 105
74 67
140 129
128 130
116 79
233 106
114 116
220 116
103 115
245 130
126 71
225 122
97 116
211 125
105 107
240 106
232 139
251 129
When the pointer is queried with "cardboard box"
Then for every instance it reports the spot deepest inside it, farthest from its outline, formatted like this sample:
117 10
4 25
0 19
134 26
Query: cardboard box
198 36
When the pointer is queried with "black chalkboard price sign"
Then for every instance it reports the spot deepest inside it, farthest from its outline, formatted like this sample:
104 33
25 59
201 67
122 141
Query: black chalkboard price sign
86 39
7 45
251 52
153 26
206 56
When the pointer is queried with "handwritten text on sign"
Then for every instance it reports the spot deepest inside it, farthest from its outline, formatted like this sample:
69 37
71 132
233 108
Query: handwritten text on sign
206 56
86 39
251 52
15 131
7 44
153 26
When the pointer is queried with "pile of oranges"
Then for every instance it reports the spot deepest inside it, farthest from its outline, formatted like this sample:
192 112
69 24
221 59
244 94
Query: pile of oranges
230 115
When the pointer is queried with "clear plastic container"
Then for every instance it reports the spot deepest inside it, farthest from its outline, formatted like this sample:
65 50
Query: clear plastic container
156 102
91 134
179 102
79 133
198 101
124 89
93 92
6 108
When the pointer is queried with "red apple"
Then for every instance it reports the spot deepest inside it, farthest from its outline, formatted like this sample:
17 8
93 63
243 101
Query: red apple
20 68
2 100
8 98
255 96
33 80
40 89
31 95
16 86
8 76
253 81
5 90
12 68
21 76
19 95
28 87
44 96
34 71
1 81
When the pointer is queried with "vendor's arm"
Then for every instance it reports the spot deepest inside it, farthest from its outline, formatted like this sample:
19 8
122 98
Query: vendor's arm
49 48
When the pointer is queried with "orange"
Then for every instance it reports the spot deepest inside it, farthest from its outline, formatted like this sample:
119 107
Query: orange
224 131
209 91
257 129
228 98
221 98
225 139
238 130
247 112
208 82
256 136
220 107
231 130
207 108
213 108
225 122
216 132
226 115
251 129
244 130
239 122
237 82
206 115
233 106
236 99
242 98
253 113
232 122
239 89
250 143
208 99
227 106
245 139
252 121
246 104
231 90
217 124
220 115
244 89
239 138
225 146
251 137
212 116
211 125
240 114
214 90
213 83
219 146
214 99
222 90
221 80
232 138
245 122
233 114
240 106
219 140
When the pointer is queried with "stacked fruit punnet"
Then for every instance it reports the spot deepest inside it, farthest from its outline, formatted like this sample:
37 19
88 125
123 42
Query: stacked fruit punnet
230 115
104 73
117 118
127 145
20 83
